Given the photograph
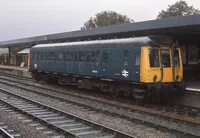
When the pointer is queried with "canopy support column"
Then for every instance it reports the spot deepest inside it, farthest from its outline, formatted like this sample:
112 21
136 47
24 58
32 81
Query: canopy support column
9 55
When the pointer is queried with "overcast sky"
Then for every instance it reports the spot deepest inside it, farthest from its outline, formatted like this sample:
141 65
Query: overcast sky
25 18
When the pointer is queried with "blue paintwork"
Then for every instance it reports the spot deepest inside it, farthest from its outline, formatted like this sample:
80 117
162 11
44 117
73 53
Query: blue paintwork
113 69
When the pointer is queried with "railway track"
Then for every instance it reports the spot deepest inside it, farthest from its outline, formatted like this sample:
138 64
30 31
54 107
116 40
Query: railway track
5 132
67 124
178 109
28 79
126 112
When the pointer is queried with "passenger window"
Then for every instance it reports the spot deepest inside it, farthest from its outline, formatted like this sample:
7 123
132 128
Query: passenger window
34 56
105 58
83 56
154 58
88 57
61 56
44 56
176 59
137 58
125 57
72 56
75 56
80 56
41 56
51 56
165 58
37 56
97 56
93 56
68 56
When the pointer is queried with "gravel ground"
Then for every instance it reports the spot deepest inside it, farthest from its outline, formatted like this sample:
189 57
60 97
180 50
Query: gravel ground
188 100
148 118
133 128
17 124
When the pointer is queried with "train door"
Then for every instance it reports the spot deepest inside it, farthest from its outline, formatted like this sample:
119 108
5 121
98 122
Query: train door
95 63
151 70
71 62
105 63
177 65
131 64
126 69
51 59
165 54
116 63
136 56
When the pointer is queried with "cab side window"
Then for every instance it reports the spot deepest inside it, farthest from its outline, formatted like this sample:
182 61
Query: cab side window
176 59
126 57
137 58
105 58
97 56
93 58
88 57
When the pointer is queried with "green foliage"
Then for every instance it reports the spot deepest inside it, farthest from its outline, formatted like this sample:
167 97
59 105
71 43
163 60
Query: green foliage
106 18
180 8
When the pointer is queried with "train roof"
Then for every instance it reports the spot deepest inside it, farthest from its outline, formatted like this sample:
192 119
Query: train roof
120 41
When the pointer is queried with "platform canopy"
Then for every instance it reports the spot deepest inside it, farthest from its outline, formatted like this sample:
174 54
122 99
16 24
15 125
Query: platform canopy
184 27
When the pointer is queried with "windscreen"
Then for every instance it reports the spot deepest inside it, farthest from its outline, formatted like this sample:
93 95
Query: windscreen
154 57
176 59
165 58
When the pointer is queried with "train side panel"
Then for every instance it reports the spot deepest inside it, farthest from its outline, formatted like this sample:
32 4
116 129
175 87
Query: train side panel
121 63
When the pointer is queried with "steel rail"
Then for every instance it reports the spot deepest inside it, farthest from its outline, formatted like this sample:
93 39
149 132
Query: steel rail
157 110
122 116
103 131
5 134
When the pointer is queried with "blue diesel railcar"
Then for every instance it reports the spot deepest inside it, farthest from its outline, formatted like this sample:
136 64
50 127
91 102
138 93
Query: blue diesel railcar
114 66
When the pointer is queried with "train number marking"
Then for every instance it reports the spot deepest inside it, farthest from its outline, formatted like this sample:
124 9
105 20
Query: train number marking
125 73
94 71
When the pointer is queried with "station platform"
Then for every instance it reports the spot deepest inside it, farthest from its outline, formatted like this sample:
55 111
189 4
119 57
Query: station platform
15 70
191 85
14 67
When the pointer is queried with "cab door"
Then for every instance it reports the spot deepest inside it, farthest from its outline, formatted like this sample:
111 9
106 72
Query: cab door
165 54
178 67
151 70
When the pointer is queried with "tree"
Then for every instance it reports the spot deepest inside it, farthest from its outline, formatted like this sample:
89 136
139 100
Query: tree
180 8
106 18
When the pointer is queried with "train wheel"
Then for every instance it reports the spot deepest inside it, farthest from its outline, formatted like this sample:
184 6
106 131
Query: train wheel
147 98
37 79
114 92
126 93
156 97
139 95
80 84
